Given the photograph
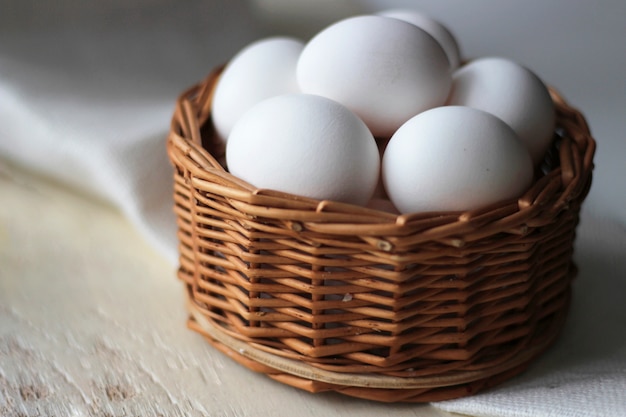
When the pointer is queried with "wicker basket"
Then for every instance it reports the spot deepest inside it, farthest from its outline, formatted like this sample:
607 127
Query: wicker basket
326 296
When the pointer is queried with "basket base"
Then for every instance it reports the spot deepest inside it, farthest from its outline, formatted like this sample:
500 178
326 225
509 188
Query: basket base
371 387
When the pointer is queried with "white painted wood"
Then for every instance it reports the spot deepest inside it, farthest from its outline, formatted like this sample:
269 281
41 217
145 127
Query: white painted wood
92 323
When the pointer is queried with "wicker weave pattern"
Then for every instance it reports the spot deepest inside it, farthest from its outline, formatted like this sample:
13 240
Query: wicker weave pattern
329 296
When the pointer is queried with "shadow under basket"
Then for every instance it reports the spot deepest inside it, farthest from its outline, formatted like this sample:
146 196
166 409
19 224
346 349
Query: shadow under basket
326 296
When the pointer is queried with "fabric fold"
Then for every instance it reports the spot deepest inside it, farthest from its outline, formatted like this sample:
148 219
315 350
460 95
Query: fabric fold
87 98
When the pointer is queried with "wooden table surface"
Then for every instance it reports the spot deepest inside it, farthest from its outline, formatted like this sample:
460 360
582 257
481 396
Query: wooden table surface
92 323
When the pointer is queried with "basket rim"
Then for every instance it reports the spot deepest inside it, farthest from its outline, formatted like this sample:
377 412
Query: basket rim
553 192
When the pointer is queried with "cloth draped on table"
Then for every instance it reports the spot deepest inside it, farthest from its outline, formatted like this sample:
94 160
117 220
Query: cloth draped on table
87 93
86 96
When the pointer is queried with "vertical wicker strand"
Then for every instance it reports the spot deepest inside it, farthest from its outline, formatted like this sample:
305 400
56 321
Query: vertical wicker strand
462 313
253 310
315 298
195 238
396 347
187 116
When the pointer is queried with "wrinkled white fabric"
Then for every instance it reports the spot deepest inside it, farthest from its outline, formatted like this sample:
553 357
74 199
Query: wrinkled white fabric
86 96
87 93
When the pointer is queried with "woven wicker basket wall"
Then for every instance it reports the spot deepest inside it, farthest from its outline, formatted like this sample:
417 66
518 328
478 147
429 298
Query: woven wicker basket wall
328 296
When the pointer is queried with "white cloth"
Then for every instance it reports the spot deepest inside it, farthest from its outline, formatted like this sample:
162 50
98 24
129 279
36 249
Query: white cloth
87 92
86 96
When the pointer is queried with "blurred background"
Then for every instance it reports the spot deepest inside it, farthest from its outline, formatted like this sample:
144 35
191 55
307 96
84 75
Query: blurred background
145 52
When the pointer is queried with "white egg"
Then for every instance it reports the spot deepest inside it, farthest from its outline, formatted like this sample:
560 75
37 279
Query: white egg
306 145
513 93
263 69
383 69
454 158
435 28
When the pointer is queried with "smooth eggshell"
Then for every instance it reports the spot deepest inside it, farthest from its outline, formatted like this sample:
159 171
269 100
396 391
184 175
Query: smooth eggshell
514 94
454 158
383 69
263 69
438 31
306 145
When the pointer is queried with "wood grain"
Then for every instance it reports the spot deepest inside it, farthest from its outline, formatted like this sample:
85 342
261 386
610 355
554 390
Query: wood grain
92 323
